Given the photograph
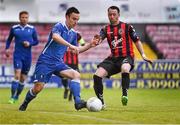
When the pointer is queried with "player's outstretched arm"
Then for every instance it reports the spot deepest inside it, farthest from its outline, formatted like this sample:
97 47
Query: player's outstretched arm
60 40
141 50
94 42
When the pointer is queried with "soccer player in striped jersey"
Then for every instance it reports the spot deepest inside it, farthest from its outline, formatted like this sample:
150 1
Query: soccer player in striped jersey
71 59
120 37
50 61
25 37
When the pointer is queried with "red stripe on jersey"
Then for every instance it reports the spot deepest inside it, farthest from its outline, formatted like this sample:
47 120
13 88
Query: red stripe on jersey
124 52
69 57
116 51
109 36
131 47
75 58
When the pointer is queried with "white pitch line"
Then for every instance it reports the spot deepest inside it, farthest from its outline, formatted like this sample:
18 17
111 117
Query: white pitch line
88 117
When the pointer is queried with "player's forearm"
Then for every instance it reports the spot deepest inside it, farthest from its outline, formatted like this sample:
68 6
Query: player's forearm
140 47
8 41
35 40
84 48
8 44
60 40
34 43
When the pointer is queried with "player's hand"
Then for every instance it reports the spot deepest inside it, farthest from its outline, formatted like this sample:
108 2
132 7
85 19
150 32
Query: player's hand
146 59
26 44
74 49
7 53
95 41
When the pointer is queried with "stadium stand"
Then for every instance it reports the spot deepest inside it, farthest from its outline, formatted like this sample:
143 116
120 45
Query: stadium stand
166 39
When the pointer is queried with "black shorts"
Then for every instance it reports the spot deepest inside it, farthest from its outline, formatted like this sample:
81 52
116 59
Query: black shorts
74 66
113 64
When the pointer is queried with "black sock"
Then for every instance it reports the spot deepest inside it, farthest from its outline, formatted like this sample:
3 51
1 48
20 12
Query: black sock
65 83
98 87
29 97
125 83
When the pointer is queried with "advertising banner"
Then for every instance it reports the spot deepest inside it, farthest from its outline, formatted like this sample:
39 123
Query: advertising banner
162 74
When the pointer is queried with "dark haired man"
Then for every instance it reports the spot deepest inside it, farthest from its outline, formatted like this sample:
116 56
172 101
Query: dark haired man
62 36
120 37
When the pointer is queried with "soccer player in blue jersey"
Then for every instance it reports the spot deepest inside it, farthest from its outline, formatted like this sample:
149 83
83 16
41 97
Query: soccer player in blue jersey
71 59
25 37
62 36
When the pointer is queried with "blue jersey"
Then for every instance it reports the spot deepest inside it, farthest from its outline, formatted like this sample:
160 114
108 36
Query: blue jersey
21 34
51 59
54 51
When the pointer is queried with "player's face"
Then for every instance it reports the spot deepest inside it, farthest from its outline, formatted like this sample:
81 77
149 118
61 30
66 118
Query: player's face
113 16
72 20
24 19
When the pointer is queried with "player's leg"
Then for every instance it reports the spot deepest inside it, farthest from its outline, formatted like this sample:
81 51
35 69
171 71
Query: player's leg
66 88
20 86
31 94
98 84
26 64
74 87
15 82
105 69
75 67
70 96
125 68
41 76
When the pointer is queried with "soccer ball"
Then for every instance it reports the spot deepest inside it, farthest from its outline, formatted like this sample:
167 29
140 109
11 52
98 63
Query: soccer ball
94 104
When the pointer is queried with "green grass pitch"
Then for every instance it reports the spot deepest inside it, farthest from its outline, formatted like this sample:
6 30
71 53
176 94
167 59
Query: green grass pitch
146 106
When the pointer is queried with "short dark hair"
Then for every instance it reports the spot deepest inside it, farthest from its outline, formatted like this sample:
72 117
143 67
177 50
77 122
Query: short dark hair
114 7
72 10
23 12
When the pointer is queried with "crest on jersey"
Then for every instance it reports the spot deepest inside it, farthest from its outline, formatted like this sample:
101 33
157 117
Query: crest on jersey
120 31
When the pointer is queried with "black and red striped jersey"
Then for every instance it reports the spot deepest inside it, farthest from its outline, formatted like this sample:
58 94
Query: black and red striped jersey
71 58
120 38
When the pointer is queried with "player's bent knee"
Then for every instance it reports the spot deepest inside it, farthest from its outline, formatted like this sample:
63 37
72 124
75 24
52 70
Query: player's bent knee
38 87
125 69
17 78
77 75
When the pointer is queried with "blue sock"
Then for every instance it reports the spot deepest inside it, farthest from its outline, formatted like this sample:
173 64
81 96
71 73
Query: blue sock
14 86
19 90
29 96
75 89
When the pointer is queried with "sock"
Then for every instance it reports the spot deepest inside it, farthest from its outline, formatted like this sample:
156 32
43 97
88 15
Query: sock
65 83
75 89
125 83
98 87
19 90
29 97
14 86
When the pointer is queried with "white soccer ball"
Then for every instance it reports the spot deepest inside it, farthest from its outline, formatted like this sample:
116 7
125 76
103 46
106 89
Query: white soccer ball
94 104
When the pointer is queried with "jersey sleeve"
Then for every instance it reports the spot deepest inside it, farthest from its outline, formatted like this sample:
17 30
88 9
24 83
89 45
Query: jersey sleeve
103 33
35 38
9 39
57 29
133 34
